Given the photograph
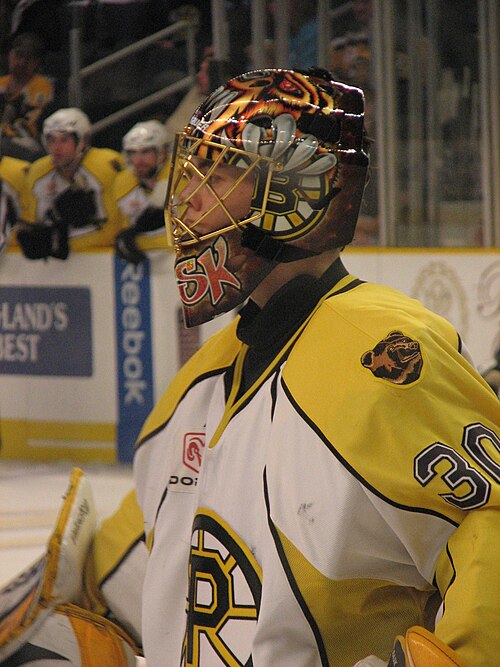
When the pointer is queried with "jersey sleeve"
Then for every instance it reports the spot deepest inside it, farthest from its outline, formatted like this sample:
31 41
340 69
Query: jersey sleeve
414 423
116 566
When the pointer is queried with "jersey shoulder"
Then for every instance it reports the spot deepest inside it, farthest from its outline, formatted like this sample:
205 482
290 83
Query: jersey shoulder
13 170
101 160
380 378
215 355
40 168
124 183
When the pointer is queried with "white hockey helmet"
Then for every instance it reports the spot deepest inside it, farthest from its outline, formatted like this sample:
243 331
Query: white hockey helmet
70 120
144 135
147 134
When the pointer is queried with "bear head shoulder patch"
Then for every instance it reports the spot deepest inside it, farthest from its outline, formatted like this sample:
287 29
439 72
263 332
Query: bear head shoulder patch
396 358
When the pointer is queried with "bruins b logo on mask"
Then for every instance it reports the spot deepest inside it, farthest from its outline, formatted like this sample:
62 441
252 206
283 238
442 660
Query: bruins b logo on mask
396 358
290 208
223 598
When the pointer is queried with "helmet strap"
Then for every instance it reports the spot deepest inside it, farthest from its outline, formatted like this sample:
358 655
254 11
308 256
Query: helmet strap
271 249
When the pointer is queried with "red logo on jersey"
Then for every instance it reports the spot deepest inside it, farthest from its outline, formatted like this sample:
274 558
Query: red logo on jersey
192 451
205 274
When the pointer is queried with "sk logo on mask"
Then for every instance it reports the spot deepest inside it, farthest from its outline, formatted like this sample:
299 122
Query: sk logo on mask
205 274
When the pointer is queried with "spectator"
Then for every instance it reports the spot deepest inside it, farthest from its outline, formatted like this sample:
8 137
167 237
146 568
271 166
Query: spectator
39 17
67 199
24 96
139 191
12 176
120 22
303 38
192 99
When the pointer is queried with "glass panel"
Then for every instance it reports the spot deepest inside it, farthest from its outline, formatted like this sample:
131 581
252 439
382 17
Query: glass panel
424 54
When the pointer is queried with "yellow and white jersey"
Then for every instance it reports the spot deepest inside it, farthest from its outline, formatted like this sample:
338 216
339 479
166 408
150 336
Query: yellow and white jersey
12 175
24 108
115 567
132 198
334 503
97 172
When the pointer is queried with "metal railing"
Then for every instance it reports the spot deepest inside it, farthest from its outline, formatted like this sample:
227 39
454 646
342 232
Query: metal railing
78 73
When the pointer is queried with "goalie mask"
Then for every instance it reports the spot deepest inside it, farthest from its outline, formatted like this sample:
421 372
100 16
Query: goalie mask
271 168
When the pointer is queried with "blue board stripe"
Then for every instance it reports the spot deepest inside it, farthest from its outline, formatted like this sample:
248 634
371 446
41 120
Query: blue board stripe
134 352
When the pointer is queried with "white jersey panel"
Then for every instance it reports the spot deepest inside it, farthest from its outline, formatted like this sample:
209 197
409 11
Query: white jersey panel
348 532
169 464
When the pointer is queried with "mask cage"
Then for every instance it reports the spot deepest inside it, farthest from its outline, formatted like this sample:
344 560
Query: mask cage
187 155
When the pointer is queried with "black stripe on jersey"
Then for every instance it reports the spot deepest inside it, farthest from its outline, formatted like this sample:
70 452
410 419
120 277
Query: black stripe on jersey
32 654
274 393
291 580
347 288
196 381
162 499
452 580
314 427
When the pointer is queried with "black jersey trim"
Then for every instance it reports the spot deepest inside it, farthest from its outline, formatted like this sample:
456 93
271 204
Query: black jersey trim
152 534
158 429
452 579
314 427
31 653
274 394
291 579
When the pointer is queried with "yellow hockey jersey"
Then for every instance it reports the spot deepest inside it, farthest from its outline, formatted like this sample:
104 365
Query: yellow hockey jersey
23 109
115 567
132 197
350 489
12 175
97 172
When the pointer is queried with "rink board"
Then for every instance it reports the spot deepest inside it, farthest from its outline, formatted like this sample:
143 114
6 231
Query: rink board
88 345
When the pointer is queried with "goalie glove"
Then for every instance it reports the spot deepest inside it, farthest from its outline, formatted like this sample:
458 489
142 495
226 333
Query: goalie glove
126 247
126 244
54 579
75 207
418 648
39 241
150 219
74 636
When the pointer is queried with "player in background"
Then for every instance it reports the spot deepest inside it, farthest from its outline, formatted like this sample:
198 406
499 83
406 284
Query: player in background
319 483
139 191
12 174
67 202
25 96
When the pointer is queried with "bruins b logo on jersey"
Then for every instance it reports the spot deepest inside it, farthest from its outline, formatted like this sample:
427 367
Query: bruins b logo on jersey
223 598
396 358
